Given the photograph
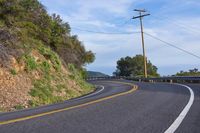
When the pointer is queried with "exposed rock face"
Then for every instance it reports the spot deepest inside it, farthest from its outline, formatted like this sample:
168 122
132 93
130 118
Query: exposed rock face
8 56
13 88
5 35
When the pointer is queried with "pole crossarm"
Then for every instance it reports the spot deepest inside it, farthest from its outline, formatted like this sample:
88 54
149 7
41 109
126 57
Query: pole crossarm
140 10
141 16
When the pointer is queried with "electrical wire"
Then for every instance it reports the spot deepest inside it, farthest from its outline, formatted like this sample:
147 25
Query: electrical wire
100 32
172 45
122 24
185 27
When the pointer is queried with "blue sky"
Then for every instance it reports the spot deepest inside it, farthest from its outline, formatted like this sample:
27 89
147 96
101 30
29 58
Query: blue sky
177 22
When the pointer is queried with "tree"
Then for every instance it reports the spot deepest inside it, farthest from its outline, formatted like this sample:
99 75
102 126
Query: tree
134 67
191 72
26 22
89 57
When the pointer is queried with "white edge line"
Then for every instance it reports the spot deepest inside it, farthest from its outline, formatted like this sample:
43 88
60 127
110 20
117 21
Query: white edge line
102 88
184 112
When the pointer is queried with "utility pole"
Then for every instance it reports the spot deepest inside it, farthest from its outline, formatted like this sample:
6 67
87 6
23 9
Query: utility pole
141 15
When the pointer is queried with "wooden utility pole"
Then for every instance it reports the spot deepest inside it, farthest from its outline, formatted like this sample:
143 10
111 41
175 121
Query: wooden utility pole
141 15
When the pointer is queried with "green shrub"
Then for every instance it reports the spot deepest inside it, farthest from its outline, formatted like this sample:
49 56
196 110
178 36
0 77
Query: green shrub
71 93
18 107
13 72
52 56
43 91
30 63
45 67
1 109
78 76
2 23
33 103
60 87
71 67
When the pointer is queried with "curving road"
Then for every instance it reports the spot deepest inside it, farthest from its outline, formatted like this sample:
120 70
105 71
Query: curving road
116 107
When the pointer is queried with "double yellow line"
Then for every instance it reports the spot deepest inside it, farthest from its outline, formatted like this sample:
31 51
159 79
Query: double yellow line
73 107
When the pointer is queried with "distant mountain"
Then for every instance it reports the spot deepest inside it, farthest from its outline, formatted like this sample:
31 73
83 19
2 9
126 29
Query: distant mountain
96 74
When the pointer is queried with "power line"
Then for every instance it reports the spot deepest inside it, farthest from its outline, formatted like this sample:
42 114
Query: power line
181 25
100 32
124 23
172 45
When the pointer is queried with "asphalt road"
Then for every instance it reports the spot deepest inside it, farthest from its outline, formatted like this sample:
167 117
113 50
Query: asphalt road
151 109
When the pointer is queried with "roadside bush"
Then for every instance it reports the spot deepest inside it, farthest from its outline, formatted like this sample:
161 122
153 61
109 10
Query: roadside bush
52 56
30 63
13 72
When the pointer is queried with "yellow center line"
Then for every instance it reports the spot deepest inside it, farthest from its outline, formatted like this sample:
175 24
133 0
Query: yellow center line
73 107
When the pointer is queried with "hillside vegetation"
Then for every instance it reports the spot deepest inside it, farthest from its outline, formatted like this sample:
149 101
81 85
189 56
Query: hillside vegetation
40 61
191 72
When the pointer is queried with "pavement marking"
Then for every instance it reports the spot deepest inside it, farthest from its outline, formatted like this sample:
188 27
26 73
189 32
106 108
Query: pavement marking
73 107
184 112
102 88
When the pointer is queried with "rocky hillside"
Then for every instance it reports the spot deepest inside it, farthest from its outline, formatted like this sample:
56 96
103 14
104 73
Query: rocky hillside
40 61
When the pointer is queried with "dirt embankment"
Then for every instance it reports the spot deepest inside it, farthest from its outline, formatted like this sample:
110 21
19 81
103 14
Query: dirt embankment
35 80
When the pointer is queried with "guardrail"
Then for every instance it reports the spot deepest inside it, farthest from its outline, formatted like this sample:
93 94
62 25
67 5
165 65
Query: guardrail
173 79
107 77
